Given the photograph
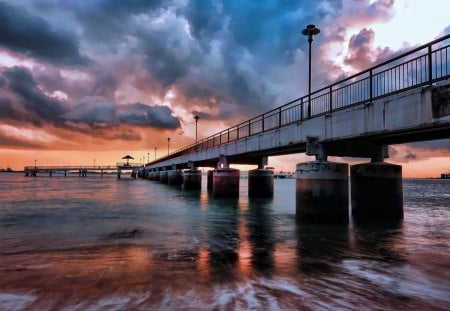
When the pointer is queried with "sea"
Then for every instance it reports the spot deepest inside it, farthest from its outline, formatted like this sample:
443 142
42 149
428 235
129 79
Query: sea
99 243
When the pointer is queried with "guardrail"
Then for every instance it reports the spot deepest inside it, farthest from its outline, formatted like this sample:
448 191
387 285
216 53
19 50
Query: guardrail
424 65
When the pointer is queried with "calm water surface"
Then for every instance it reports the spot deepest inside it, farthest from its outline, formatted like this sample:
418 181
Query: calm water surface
105 244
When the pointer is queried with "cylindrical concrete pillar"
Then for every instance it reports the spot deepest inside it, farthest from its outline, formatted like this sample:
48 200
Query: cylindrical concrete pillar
322 192
260 183
192 179
377 191
174 177
209 180
150 175
156 175
226 182
163 177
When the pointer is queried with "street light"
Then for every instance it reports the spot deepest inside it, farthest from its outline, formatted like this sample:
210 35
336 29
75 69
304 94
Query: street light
94 162
310 31
35 163
155 153
168 144
196 123
148 157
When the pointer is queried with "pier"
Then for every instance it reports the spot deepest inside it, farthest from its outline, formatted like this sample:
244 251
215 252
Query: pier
82 171
402 100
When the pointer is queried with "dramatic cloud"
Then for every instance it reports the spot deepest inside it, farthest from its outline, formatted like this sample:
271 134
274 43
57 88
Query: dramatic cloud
23 100
33 36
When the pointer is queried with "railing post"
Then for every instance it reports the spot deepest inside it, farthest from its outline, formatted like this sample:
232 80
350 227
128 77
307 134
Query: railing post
249 128
331 98
309 106
430 67
301 109
228 131
370 85
279 117
262 124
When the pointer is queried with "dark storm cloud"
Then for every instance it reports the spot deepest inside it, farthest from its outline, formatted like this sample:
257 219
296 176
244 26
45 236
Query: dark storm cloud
27 101
143 115
31 35
22 100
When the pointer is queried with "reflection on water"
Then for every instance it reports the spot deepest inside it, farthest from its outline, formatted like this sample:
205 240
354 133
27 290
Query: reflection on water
137 244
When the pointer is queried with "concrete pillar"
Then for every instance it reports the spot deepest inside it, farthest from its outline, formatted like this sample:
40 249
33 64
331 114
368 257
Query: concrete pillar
163 177
118 173
376 191
65 173
50 173
226 182
209 180
192 179
27 173
174 177
156 175
260 183
322 192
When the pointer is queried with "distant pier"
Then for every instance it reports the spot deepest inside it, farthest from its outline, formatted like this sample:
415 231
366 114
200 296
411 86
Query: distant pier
82 171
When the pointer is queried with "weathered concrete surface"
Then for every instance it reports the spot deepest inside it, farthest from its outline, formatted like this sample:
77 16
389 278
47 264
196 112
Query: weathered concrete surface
322 192
226 182
192 179
209 181
260 183
174 177
377 192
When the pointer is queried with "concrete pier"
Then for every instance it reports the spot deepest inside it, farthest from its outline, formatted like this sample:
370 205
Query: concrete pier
156 175
376 192
322 192
226 182
192 179
209 180
260 183
174 177
163 177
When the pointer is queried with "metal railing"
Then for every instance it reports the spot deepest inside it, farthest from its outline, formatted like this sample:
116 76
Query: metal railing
424 65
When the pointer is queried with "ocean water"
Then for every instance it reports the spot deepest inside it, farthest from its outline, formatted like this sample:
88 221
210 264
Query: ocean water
106 244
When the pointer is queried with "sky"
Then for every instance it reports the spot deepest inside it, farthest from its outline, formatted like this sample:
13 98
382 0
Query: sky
90 81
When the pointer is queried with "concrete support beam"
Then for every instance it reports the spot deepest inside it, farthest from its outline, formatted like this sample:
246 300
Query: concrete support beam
192 179
156 175
376 192
260 183
226 182
174 177
322 192
209 181
163 177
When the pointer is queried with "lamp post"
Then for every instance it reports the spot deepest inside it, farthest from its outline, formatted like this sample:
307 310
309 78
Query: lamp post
35 164
310 31
148 157
155 153
94 162
168 144
196 124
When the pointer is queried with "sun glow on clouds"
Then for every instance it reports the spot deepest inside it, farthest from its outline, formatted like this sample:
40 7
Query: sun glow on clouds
27 134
